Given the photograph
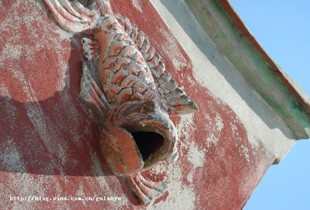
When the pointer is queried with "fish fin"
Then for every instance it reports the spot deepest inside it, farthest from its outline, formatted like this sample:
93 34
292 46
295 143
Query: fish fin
90 48
179 103
73 16
176 100
91 93
145 190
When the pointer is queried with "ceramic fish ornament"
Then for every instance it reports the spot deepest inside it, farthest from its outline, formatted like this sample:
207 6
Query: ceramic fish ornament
125 81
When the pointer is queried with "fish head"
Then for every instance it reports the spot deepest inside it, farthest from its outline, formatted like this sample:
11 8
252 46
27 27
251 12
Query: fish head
136 136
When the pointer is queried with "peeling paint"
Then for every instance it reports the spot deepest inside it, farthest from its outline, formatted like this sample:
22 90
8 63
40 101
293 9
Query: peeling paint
137 5
195 156
178 193
216 132
186 126
176 57
245 152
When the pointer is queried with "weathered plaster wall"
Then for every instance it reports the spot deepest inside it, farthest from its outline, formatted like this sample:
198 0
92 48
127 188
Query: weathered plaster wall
49 139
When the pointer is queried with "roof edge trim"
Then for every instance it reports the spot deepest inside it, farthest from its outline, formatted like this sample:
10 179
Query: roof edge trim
229 33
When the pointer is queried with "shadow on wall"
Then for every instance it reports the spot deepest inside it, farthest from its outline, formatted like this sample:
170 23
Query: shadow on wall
179 11
55 136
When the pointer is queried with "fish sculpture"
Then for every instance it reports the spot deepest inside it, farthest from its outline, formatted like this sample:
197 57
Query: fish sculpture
126 83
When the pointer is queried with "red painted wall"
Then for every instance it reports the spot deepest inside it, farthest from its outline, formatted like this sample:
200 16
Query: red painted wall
49 139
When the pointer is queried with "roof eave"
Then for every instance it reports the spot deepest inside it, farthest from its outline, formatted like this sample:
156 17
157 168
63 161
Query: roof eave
229 33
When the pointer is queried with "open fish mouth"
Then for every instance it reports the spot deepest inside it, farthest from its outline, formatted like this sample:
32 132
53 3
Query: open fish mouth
136 136
154 140
147 142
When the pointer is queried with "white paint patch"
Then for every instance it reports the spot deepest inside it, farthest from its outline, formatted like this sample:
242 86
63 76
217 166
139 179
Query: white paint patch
10 51
174 55
180 196
69 111
8 105
10 157
186 127
62 153
137 5
190 176
185 130
37 118
102 180
27 88
195 156
159 168
219 123
212 139
216 126
245 153
62 69
80 193
4 92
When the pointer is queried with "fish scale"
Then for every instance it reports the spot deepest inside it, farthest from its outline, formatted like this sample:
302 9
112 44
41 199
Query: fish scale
124 69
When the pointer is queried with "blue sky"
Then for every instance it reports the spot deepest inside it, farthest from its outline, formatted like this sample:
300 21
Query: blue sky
283 29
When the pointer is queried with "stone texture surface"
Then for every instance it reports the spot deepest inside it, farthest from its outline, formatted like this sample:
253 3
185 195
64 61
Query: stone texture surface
49 139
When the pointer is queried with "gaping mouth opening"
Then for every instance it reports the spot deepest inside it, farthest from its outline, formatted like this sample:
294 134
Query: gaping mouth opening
148 143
